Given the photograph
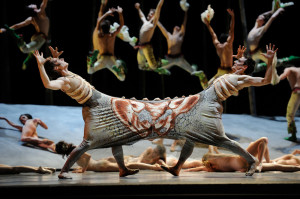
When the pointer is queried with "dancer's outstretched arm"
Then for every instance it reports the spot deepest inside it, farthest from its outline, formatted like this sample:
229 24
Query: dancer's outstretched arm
43 5
12 124
230 38
141 14
60 83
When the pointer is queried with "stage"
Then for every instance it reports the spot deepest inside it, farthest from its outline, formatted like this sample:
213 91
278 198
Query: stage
148 184
65 123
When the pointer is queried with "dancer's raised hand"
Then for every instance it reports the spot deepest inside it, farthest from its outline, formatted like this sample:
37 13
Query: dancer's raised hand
40 58
55 53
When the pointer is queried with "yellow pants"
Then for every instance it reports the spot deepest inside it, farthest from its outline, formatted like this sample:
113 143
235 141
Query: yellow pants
292 107
146 59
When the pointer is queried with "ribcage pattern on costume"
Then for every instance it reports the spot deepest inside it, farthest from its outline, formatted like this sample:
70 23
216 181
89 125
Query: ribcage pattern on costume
145 117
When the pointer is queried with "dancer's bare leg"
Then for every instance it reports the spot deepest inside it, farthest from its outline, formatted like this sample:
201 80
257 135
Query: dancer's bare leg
186 152
118 154
73 157
260 149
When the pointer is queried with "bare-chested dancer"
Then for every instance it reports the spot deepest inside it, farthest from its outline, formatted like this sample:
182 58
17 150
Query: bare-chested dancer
104 45
29 133
113 122
174 41
145 57
223 47
293 76
262 24
41 23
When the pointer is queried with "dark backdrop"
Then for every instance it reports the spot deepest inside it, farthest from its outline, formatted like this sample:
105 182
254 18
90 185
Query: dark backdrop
71 28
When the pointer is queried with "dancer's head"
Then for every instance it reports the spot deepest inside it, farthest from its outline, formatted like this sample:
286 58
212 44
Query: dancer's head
151 14
223 38
24 117
262 19
55 66
176 29
244 65
159 153
31 10
105 26
64 148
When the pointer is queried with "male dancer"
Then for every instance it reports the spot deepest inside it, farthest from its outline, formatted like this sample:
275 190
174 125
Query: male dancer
145 56
174 41
293 76
104 44
262 24
29 132
223 47
40 21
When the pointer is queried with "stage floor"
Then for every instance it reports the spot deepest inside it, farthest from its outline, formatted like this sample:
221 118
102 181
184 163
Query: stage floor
148 184
65 123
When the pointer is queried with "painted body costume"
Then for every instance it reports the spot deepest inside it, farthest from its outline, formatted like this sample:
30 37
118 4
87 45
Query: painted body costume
113 122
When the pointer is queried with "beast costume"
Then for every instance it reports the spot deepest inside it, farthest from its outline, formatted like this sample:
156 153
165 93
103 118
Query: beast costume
221 71
113 122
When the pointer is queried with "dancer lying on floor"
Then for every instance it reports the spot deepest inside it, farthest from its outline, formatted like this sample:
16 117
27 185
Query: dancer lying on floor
29 133
150 159
6 169
146 161
222 162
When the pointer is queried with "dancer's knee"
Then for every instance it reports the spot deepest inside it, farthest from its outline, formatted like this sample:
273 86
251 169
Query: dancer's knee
264 140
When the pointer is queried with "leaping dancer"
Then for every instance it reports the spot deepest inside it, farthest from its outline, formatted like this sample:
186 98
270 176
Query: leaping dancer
104 45
145 57
40 21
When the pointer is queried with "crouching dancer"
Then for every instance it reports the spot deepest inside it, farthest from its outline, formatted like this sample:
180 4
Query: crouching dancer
113 122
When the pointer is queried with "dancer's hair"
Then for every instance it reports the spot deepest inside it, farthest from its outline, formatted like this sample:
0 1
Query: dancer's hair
105 26
223 38
27 115
30 11
49 68
267 17
161 149
64 148
251 64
